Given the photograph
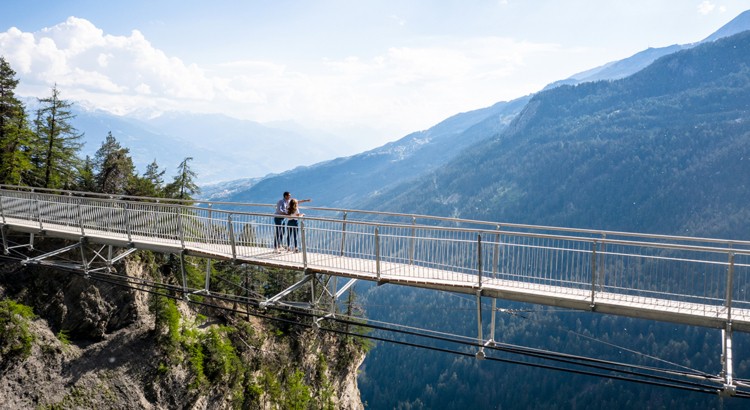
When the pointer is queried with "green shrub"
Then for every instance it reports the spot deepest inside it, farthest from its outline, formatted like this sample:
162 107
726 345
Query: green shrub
63 337
297 392
15 338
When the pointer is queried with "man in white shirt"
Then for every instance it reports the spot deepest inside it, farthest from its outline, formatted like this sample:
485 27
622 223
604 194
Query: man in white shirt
281 207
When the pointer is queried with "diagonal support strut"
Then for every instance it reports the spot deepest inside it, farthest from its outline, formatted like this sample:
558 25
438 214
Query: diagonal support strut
286 291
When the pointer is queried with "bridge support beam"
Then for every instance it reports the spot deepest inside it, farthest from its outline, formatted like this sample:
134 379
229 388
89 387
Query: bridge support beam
480 354
83 258
729 389
184 276
5 240
275 299
334 294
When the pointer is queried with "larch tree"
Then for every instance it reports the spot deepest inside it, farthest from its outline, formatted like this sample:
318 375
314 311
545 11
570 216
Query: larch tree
58 143
183 186
15 133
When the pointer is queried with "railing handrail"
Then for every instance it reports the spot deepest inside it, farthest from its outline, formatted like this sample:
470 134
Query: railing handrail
603 233
380 246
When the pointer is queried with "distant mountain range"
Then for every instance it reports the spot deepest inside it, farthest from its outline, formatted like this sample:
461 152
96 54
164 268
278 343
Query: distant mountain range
622 68
348 181
344 181
223 148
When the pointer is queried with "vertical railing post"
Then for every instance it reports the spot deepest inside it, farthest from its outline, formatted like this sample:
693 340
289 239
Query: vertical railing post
593 273
304 243
231 238
208 260
31 235
38 210
156 218
128 229
179 227
343 234
479 258
2 209
730 282
80 217
210 225
109 214
495 263
411 245
377 252
68 219
602 269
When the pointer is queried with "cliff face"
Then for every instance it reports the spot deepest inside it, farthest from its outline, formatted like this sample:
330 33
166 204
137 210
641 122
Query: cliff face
118 357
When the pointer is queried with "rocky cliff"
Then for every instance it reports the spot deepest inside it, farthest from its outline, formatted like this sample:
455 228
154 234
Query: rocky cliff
92 344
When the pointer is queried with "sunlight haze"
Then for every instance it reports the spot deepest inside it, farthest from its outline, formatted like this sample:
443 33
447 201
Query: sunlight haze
395 67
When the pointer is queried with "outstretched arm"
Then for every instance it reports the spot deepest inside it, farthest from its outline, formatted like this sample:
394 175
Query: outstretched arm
304 200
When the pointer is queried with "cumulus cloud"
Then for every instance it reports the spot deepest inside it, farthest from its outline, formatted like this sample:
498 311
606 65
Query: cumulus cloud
722 9
705 7
126 73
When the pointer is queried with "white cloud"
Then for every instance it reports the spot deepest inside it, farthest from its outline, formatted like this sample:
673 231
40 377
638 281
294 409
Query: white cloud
103 59
143 89
722 9
705 7
400 22
403 87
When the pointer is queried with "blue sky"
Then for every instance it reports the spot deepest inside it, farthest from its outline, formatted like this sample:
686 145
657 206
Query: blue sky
398 66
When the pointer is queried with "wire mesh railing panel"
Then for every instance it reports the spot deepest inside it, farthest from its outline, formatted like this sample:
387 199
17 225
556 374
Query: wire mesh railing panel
552 264
60 211
256 235
641 273
741 282
620 267
19 205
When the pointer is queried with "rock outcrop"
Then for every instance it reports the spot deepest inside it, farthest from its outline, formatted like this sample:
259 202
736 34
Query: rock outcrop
115 357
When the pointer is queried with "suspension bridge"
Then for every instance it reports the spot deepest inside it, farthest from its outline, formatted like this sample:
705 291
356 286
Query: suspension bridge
693 281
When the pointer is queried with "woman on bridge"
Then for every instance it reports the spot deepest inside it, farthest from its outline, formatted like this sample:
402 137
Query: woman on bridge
291 224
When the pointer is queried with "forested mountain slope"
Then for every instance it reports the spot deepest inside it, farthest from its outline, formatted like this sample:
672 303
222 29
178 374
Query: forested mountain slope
664 151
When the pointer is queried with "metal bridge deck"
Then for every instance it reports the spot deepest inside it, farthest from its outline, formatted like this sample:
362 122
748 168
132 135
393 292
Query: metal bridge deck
538 291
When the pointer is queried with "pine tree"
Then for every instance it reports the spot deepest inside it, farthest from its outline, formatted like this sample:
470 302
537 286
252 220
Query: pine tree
113 166
183 186
86 179
150 184
15 134
57 142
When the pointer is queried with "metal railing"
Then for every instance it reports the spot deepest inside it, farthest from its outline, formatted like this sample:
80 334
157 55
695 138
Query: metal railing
603 265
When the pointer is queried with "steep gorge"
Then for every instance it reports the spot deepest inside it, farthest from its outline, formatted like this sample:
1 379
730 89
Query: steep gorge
98 345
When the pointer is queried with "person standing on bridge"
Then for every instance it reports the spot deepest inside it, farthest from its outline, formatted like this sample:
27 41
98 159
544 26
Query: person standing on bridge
291 224
281 209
